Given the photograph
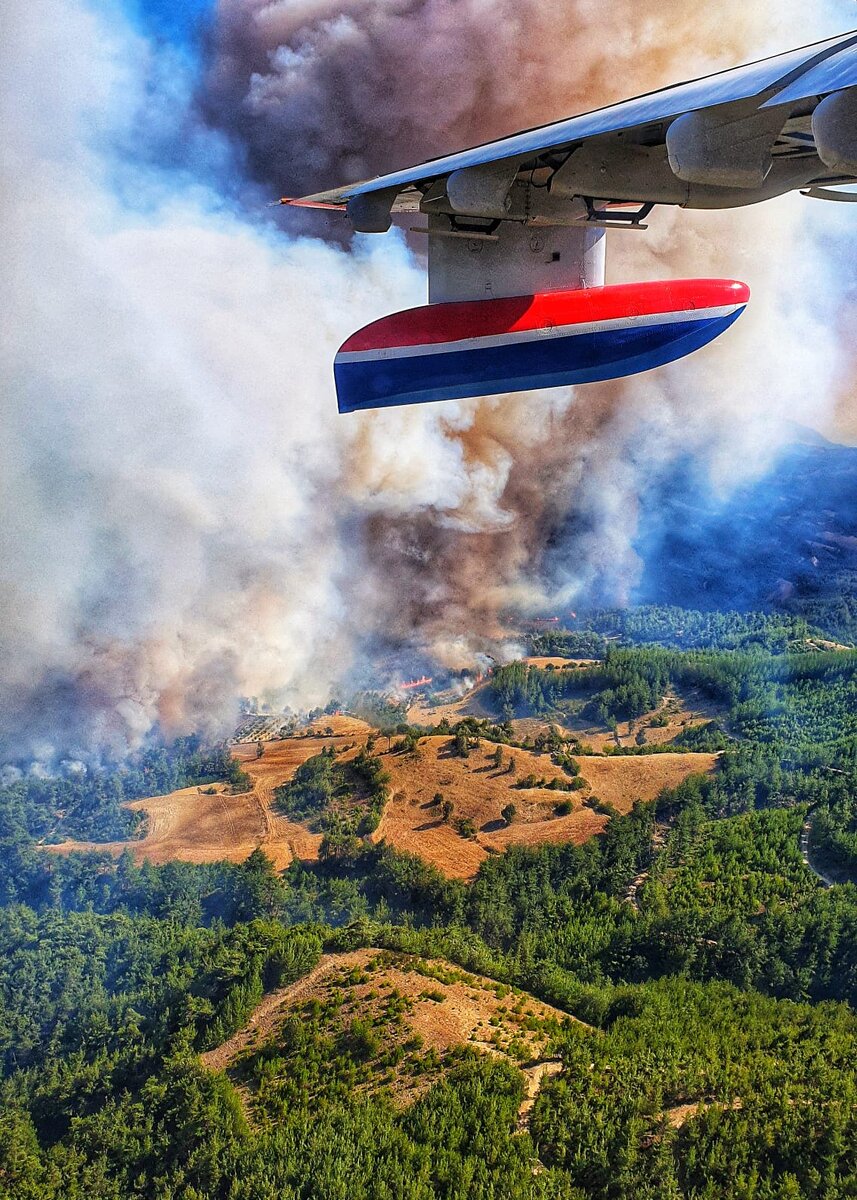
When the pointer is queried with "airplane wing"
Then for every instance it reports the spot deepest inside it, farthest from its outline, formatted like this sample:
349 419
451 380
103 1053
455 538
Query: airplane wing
516 230
765 108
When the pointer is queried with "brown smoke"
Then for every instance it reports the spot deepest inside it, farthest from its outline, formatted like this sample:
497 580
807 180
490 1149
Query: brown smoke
322 93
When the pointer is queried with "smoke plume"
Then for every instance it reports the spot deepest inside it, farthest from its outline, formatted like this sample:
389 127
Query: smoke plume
186 518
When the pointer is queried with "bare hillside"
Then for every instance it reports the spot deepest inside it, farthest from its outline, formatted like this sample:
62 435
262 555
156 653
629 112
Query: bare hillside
414 1016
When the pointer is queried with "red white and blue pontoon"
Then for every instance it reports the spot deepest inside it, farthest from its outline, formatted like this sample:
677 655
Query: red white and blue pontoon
481 347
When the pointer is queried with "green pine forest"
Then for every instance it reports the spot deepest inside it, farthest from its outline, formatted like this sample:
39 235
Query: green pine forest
705 963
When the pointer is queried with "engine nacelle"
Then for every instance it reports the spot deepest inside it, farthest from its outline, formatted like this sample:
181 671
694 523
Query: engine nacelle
482 191
834 127
708 147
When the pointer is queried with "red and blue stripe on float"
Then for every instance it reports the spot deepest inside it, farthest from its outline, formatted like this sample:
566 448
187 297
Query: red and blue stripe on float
483 347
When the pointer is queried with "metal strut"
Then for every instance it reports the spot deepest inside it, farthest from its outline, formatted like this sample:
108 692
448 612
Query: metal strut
823 193
609 218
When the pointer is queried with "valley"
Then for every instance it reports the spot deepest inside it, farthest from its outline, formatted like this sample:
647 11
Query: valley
583 928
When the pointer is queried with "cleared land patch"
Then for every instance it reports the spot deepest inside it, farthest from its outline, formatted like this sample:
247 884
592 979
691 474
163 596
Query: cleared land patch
207 824
472 703
478 792
621 780
194 825
561 664
403 1020
675 714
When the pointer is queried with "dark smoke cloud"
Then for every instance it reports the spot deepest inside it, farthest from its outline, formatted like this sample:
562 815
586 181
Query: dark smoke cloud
185 517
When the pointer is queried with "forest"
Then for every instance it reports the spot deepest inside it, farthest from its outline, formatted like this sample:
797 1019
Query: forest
676 628
88 805
795 697
343 799
709 977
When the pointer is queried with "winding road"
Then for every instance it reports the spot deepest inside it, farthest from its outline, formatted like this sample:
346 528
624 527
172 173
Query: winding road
804 850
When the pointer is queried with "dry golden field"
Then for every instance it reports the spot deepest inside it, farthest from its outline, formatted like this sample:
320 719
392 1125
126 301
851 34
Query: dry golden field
201 825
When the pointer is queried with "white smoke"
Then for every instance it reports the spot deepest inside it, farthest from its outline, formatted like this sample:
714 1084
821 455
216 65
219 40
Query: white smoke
174 474
185 517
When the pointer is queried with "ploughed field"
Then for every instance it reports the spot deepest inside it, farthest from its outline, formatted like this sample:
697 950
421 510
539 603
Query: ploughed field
206 824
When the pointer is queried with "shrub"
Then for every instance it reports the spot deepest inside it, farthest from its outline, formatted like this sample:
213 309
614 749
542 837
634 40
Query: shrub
466 827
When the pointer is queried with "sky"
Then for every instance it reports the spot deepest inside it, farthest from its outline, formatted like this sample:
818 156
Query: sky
179 22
